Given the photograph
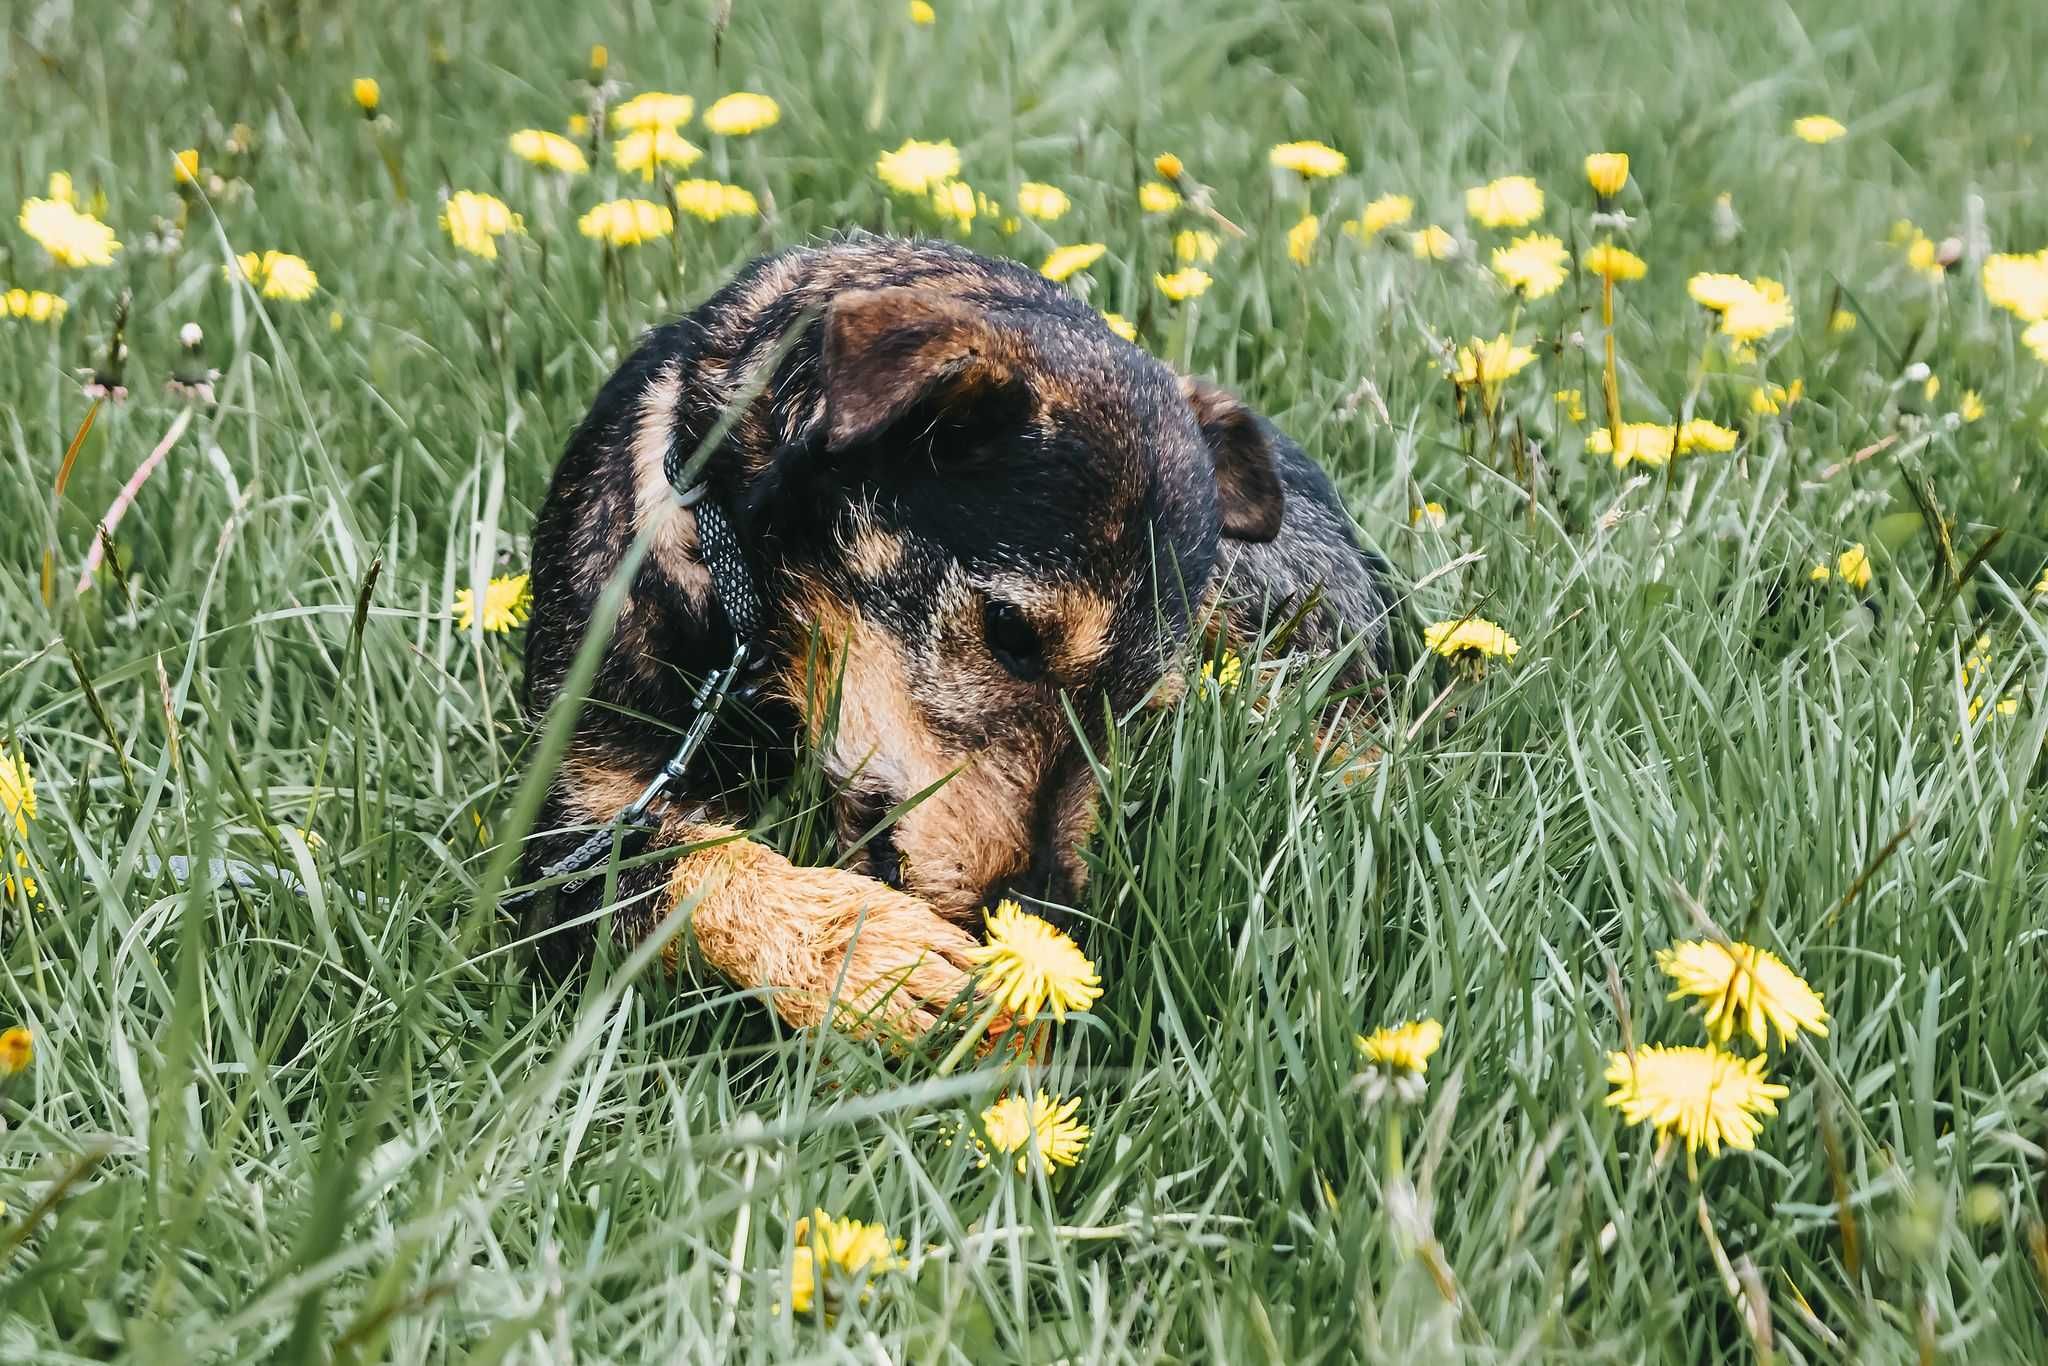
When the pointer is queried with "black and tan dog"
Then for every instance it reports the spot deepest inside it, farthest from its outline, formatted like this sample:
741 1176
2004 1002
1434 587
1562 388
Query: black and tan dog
972 513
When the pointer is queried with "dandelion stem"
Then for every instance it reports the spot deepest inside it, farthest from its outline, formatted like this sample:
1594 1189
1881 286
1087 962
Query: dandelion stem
389 156
974 1035
1610 379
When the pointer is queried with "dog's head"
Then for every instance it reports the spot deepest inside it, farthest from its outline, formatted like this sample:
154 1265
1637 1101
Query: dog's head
1001 534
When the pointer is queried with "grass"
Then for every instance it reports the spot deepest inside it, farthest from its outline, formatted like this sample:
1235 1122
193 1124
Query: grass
349 1122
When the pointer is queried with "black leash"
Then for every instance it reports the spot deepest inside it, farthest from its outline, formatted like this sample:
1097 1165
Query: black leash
732 583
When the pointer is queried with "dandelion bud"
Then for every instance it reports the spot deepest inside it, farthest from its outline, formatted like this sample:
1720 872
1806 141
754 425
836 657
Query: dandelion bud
1949 252
185 166
1169 166
17 1050
1607 172
190 336
367 94
599 59
1917 373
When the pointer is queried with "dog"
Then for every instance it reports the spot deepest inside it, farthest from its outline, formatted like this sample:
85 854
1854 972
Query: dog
979 525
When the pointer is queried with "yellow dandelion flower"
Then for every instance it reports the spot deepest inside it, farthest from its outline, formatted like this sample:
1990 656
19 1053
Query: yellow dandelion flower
1069 261
1188 282
2035 339
1122 326
1764 309
1301 239
1610 262
185 167
551 150
1226 674
1646 443
2018 284
956 201
1027 965
830 1251
1744 988
17 790
712 200
1387 211
278 275
627 222
2005 706
1971 406
651 148
600 58
1169 166
1510 202
1717 292
1702 435
1312 160
1818 129
33 305
28 884
1469 639
1771 399
1405 1047
740 113
1573 402
474 222
1923 258
506 603
1429 515
334 320
916 167
1489 363
1041 1129
1196 245
1852 567
17 1051
579 125
653 111
368 94
922 14
1535 265
73 239
1046 203
1156 196
1433 244
1841 320
1701 1094
1607 172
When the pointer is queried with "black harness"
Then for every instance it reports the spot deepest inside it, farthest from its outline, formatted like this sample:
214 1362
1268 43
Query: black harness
732 584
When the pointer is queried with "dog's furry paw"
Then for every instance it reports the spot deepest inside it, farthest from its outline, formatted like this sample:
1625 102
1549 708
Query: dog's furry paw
881 956
824 942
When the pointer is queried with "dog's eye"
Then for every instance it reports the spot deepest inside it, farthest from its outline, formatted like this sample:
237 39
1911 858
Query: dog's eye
1013 640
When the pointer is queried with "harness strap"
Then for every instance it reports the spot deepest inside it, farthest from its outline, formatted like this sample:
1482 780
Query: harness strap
732 583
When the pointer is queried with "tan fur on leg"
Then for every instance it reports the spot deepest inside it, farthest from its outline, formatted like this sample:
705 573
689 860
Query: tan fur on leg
762 921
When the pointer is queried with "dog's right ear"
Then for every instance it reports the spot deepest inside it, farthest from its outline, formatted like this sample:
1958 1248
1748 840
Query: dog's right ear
889 351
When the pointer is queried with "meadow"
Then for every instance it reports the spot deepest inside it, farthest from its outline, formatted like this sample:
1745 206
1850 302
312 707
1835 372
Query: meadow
1767 547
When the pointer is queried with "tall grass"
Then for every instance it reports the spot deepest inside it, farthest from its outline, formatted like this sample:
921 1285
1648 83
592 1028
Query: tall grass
342 1117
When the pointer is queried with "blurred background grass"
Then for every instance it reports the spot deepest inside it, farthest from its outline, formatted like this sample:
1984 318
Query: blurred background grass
351 1124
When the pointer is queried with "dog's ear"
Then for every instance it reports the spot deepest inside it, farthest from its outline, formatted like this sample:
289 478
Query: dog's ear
889 351
1247 482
